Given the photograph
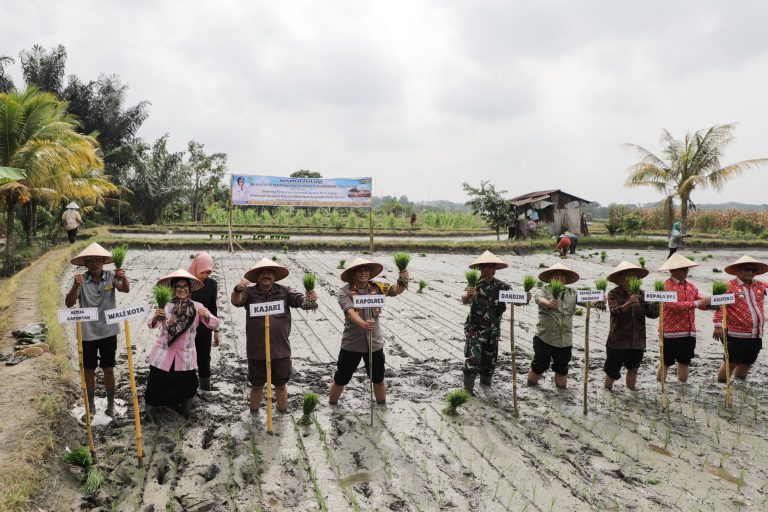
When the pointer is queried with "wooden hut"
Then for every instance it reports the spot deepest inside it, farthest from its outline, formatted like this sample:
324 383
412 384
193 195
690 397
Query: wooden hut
558 211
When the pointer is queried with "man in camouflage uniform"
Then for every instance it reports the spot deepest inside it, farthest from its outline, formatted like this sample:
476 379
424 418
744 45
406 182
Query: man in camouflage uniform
482 327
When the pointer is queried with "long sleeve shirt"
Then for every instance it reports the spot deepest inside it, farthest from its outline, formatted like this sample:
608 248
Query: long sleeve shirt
207 297
181 353
627 329
679 318
555 325
746 316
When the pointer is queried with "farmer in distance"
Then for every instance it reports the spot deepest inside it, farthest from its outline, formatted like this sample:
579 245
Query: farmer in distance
358 323
745 317
259 285
96 289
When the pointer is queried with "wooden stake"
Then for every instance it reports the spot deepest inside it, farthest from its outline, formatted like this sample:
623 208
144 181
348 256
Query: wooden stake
269 374
132 379
586 356
514 356
728 389
369 334
85 390
662 369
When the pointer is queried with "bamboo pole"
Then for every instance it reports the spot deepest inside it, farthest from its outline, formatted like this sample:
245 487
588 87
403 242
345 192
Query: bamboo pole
728 388
369 334
85 390
586 356
514 356
269 374
662 368
132 379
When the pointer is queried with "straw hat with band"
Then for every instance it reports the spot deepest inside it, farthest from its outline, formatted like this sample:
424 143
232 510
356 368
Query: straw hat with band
626 267
570 276
762 268
266 264
488 258
375 269
92 251
194 283
678 261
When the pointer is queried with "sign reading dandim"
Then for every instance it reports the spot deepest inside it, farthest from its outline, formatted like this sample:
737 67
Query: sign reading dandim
282 191
513 297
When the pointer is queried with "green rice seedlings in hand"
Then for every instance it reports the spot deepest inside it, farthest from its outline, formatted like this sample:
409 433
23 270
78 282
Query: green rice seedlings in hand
80 457
529 282
402 259
342 263
422 285
659 286
93 480
719 288
163 295
118 255
557 287
601 284
455 400
603 256
635 285
641 260
473 277
309 282
308 405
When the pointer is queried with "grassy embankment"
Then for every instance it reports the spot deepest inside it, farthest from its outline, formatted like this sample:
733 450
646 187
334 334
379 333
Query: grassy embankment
217 230
27 478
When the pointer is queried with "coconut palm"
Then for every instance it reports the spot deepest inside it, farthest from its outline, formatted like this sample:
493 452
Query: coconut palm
38 136
687 164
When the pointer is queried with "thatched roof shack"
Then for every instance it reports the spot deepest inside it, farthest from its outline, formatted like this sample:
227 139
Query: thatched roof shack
557 210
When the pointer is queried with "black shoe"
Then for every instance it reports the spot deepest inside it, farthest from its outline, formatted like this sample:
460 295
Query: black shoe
469 383
486 380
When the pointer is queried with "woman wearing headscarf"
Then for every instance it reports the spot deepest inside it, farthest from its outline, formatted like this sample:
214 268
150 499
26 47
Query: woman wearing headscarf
172 380
675 238
202 268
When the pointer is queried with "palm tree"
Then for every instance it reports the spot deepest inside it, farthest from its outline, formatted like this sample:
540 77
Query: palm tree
687 164
38 136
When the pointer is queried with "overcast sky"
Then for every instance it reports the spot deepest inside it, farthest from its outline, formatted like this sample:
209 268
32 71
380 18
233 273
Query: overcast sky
424 95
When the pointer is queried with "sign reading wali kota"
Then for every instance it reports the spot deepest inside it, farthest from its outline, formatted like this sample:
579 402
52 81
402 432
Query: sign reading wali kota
513 297
660 296
267 308
368 301
70 315
114 316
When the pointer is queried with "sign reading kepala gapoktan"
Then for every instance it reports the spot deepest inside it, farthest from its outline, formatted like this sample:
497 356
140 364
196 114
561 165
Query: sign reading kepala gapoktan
281 191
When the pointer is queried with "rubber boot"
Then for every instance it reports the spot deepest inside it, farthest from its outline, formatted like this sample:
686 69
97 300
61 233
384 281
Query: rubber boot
92 401
469 383
205 384
110 411
486 380
186 408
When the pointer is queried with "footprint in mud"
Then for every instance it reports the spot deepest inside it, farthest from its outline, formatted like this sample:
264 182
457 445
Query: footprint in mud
210 472
363 488
162 470
358 459
208 437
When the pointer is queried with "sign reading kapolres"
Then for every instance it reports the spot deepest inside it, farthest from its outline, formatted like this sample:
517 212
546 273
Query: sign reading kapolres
281 191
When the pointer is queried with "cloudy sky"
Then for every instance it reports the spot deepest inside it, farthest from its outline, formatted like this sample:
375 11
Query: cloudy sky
424 95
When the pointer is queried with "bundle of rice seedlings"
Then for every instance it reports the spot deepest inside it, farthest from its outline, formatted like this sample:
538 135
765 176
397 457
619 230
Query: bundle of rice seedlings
473 277
163 295
641 261
529 282
716 270
422 285
557 287
603 256
719 288
659 286
309 282
455 400
341 263
308 405
118 255
80 457
635 285
578 312
93 480
539 283
402 259
601 284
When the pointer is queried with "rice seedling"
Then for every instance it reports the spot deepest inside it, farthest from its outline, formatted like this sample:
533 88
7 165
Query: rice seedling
603 256
423 254
539 283
309 282
716 270
118 255
691 258
274 258
422 286
80 457
557 287
601 284
163 295
308 405
529 282
285 249
719 288
455 400
659 286
93 480
473 277
341 263
402 259
542 265
578 312
635 285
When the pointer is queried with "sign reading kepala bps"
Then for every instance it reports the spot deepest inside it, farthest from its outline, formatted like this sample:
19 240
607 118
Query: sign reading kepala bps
281 191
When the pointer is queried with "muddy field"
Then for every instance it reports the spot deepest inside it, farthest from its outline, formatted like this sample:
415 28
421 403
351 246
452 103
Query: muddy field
625 454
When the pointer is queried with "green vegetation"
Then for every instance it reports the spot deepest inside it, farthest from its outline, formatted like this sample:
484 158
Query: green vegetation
118 255
641 261
659 286
557 287
422 286
455 400
402 259
93 480
473 277
719 288
163 295
635 285
601 284
603 256
308 405
341 263
309 281
80 457
529 282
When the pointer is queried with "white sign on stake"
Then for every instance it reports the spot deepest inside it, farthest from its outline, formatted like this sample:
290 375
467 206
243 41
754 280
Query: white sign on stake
513 297
660 296
267 308
115 316
589 295
368 301
726 298
71 315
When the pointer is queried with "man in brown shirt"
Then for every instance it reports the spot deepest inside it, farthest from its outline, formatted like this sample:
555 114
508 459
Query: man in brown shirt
626 336
259 285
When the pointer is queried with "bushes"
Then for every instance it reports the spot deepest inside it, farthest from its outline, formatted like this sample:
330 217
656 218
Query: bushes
706 222
745 225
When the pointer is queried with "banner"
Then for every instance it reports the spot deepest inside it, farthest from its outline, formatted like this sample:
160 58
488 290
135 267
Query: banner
282 191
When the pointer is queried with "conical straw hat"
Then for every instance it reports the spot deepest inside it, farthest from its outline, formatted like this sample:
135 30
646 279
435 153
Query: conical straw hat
92 251
72 206
265 263
194 283
626 266
677 261
571 276
762 268
488 257
376 269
